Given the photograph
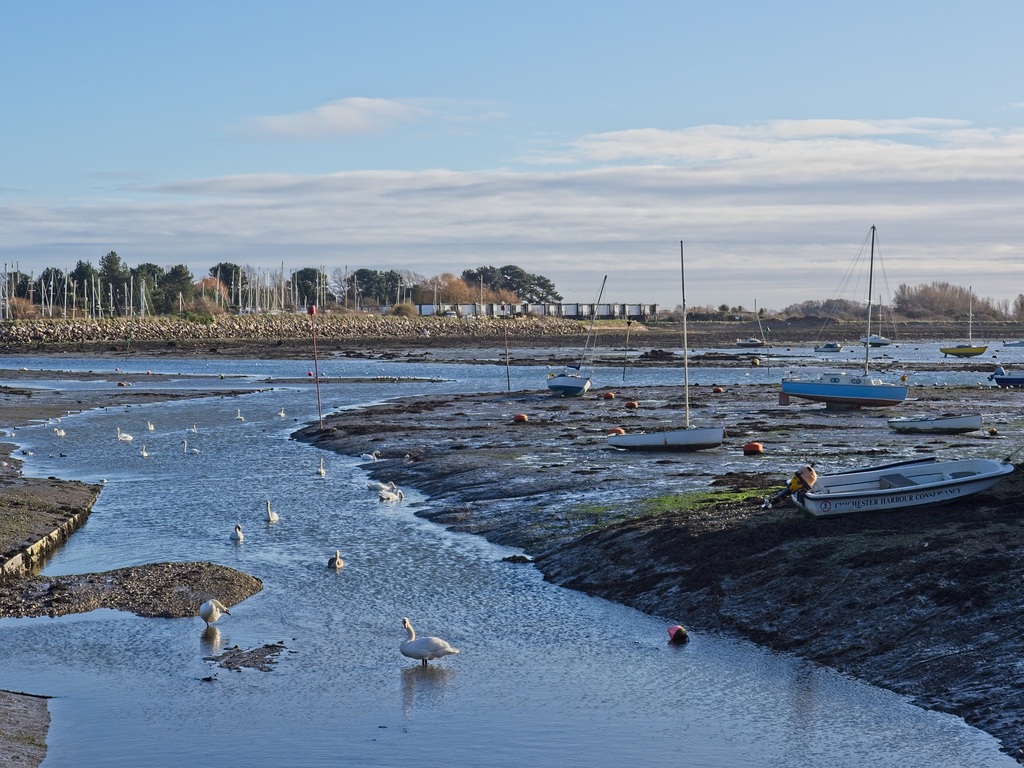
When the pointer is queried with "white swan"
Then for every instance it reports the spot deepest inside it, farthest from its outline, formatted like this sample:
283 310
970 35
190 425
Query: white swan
60 432
238 414
237 535
395 495
184 448
144 452
124 437
370 456
211 610
272 516
375 486
281 413
424 648
194 430
322 472
149 426
336 562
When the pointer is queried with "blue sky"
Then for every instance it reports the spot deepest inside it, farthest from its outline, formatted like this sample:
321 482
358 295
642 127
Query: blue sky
574 139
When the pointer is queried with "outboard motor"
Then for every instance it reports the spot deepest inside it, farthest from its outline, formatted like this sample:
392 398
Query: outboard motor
803 480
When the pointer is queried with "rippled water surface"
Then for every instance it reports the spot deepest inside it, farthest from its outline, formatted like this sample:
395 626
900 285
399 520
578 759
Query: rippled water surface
546 677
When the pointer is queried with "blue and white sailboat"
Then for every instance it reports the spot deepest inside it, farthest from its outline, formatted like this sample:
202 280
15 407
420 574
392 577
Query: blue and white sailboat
571 381
846 389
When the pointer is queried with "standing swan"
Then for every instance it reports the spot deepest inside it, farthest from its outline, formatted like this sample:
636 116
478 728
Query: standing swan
211 610
321 471
424 648
272 516
336 562
236 535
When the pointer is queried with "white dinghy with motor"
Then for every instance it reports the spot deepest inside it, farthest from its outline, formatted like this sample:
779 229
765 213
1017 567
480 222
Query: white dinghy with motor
892 487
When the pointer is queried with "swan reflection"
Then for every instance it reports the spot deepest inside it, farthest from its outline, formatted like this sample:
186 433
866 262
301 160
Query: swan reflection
423 685
211 639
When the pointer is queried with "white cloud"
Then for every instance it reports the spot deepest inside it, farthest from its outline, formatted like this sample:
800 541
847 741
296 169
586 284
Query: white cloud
344 117
773 212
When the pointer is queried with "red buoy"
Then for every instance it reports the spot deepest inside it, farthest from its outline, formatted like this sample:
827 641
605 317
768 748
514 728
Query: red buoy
520 417
632 404
717 390
753 449
609 395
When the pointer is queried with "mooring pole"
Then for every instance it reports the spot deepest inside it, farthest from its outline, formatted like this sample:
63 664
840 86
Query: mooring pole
316 368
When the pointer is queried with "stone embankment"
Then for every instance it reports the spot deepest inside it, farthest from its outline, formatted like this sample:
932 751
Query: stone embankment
54 333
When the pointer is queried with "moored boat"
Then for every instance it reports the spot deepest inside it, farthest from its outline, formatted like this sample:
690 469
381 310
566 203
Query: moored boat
1003 378
831 346
693 439
874 340
751 342
848 390
943 425
897 487
970 349
1014 343
571 382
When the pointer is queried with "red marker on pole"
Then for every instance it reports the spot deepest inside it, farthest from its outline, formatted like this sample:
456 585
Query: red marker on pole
312 326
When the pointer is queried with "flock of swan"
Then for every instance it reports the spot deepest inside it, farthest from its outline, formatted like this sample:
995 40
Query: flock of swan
422 648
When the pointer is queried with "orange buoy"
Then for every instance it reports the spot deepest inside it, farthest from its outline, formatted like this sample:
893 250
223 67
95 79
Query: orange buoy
609 395
520 417
717 390
632 404
120 384
616 431
753 449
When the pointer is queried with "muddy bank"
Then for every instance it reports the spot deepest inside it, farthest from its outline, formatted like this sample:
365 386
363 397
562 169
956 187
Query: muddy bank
924 603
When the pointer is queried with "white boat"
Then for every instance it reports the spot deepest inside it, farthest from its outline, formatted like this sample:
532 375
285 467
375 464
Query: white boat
844 389
571 381
900 486
874 340
969 349
688 439
831 346
751 342
1013 343
1004 378
691 439
943 425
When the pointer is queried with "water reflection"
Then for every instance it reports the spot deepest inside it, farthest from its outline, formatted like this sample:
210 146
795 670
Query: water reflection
424 685
211 641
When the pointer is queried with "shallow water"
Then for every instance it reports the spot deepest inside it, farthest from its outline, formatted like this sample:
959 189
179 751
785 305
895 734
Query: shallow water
546 677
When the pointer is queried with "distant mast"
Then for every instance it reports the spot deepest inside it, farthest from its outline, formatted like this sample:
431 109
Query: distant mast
686 345
871 275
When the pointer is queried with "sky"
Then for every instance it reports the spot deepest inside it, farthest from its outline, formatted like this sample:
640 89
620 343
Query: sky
572 139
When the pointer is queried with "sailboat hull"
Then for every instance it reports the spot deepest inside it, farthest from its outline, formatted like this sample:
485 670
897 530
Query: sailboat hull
847 390
673 440
963 350
568 385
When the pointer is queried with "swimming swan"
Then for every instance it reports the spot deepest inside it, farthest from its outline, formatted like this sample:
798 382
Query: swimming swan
395 495
144 452
272 516
424 648
211 610
375 486
238 414
322 472
370 456
124 437
236 535
184 448
336 562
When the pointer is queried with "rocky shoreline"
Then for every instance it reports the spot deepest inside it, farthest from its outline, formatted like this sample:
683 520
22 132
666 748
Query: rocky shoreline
924 603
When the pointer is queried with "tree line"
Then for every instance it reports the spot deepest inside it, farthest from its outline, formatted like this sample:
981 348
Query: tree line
113 288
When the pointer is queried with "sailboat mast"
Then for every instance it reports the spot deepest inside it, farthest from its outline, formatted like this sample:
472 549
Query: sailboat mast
686 344
970 316
871 275
593 320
